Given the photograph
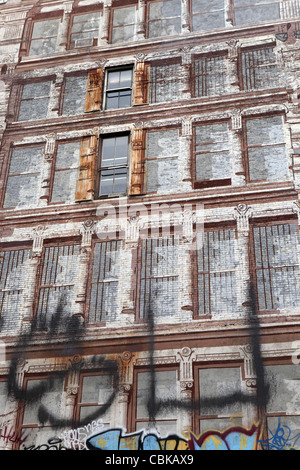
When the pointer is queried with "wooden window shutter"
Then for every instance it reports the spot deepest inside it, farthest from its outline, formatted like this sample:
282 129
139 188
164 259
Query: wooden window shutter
93 99
87 165
141 83
137 156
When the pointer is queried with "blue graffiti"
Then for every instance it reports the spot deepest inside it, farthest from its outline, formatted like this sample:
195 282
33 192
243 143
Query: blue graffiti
281 439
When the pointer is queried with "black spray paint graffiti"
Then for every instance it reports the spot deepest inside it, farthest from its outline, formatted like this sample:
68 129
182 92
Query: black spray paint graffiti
74 330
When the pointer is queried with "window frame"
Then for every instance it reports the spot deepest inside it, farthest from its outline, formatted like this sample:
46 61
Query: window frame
197 416
253 49
79 12
28 31
132 414
126 4
267 222
207 57
49 78
245 146
209 183
154 84
148 21
50 243
53 169
120 68
99 169
90 283
214 227
8 164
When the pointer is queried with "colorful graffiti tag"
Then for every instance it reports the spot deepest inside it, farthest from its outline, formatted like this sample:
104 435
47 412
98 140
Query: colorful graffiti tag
233 438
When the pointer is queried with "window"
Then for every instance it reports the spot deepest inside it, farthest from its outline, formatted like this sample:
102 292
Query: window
123 26
277 266
51 400
161 157
166 389
210 75
259 69
44 36
266 151
66 171
282 409
159 277
24 177
164 18
85 30
216 387
256 11
212 158
57 282
208 15
165 82
216 276
104 281
74 94
34 101
95 392
13 265
118 88
114 165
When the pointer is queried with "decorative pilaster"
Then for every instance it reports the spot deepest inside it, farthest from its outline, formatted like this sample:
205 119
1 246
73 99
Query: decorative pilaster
250 382
37 235
70 394
232 66
87 231
62 37
242 214
238 171
125 386
185 142
104 26
185 358
47 164
185 16
141 20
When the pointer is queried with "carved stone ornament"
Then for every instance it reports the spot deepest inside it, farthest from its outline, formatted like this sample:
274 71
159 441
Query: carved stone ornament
242 213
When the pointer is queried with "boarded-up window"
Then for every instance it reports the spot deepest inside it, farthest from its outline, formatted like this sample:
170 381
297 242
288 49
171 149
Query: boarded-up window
210 75
282 409
164 18
12 283
44 35
74 98
114 165
208 14
104 282
66 172
50 401
256 11
85 30
34 101
216 265
212 154
277 266
57 283
266 149
24 178
95 393
159 277
161 157
166 389
259 69
218 388
123 24
165 82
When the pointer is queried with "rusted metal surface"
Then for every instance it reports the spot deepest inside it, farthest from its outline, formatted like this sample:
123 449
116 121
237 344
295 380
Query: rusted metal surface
85 182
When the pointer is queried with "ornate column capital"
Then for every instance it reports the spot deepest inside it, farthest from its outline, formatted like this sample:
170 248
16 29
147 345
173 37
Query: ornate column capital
242 214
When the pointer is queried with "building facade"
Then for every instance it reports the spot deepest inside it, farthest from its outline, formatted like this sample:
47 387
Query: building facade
149 191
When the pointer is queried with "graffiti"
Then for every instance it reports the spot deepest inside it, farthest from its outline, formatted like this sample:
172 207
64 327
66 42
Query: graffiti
12 436
281 439
52 444
233 438
113 439
75 439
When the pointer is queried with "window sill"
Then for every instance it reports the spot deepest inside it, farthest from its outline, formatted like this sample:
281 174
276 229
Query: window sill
211 183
